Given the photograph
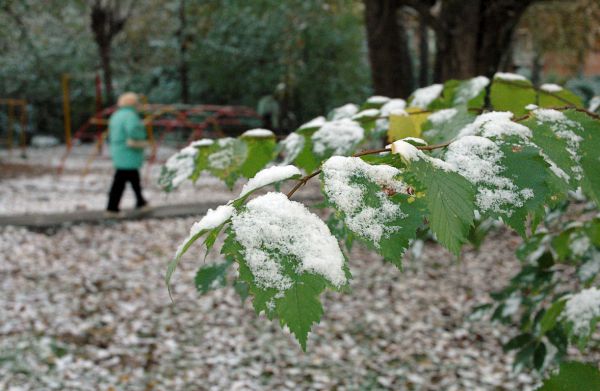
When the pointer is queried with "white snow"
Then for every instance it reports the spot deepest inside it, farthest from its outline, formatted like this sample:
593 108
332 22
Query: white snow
268 176
415 140
407 151
368 113
292 146
314 123
509 76
563 129
345 111
471 89
378 99
441 116
340 137
393 104
183 164
369 222
495 124
594 104
549 87
581 308
479 160
590 268
422 97
258 133
531 106
203 142
273 224
579 244
222 158
211 220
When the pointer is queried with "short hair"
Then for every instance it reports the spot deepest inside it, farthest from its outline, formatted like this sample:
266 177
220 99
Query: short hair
128 99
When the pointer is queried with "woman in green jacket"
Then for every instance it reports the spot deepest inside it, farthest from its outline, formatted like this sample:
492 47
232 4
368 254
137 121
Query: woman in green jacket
127 140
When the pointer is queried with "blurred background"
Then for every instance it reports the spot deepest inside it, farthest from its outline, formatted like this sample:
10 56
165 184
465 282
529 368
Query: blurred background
308 56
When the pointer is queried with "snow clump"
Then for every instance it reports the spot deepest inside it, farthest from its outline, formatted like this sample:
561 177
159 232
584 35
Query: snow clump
368 222
211 220
549 87
314 123
495 124
471 89
509 76
268 176
581 309
182 164
292 146
479 160
422 97
258 133
272 224
343 112
340 137
378 100
441 116
393 105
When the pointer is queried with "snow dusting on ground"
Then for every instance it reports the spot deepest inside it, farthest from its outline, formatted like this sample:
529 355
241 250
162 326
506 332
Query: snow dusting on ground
86 307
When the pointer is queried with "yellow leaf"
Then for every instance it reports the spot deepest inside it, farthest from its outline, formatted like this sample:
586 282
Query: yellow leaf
402 126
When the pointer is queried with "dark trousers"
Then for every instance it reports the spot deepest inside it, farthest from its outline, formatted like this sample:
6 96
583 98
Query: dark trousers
118 186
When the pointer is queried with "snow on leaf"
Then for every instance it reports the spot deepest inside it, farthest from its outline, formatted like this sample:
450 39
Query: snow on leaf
212 221
374 205
450 201
582 310
291 147
272 224
269 176
422 97
339 137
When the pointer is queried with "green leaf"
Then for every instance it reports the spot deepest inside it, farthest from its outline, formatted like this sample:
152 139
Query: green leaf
512 95
210 277
287 284
527 170
589 131
444 126
551 316
382 214
518 342
242 289
560 98
306 159
261 150
300 307
450 201
539 356
226 160
573 376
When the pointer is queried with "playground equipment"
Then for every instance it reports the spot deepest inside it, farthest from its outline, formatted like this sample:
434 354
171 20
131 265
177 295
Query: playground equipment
16 110
194 121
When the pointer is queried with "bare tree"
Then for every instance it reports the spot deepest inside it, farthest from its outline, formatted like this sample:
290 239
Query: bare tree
108 18
391 66
472 36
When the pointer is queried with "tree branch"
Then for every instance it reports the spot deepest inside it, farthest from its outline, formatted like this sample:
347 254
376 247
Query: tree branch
302 181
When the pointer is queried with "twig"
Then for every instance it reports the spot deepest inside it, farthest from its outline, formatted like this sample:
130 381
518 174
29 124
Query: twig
302 181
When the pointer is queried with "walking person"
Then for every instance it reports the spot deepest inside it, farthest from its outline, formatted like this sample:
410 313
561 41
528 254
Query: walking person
127 140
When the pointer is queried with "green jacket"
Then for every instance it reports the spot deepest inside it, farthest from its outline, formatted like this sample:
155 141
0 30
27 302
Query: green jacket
125 124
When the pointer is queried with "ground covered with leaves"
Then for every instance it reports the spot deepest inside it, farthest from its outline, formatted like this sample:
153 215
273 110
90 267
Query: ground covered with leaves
86 307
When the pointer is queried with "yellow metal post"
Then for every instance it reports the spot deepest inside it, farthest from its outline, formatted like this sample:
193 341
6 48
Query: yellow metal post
67 110
11 114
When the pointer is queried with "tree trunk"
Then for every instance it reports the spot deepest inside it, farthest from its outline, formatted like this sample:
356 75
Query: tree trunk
104 51
183 68
391 66
473 35
423 54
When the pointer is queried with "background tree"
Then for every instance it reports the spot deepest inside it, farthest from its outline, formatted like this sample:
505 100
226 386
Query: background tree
108 19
